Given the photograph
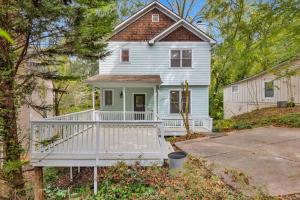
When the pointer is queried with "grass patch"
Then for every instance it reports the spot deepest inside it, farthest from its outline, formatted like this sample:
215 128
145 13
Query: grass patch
280 117
196 181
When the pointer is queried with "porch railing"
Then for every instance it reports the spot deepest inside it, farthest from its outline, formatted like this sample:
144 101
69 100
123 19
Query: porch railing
120 115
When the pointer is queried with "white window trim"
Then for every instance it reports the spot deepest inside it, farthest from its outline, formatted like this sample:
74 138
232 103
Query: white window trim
236 92
264 91
169 101
146 105
124 62
170 56
153 15
103 97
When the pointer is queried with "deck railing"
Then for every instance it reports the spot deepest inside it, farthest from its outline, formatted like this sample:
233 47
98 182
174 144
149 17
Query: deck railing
58 139
199 122
86 115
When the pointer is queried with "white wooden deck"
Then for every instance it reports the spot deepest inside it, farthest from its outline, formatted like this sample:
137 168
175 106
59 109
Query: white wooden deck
95 138
97 143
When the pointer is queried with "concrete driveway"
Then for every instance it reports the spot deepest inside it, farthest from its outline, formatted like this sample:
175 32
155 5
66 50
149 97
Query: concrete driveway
269 156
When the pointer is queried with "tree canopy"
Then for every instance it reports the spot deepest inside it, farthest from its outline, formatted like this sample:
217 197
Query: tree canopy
41 31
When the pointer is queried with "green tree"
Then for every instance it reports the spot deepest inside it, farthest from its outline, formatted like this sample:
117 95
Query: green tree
252 36
42 30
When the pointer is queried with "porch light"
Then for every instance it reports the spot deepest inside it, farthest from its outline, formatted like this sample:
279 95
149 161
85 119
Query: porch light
121 95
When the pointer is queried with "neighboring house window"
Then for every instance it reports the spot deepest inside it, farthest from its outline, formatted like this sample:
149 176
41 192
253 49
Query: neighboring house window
108 97
269 89
178 101
235 89
125 55
155 18
181 58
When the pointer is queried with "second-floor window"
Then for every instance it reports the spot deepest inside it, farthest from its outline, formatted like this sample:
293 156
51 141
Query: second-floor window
181 58
124 55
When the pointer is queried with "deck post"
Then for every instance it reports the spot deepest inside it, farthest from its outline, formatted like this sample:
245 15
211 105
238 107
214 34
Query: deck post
124 104
155 103
95 180
71 174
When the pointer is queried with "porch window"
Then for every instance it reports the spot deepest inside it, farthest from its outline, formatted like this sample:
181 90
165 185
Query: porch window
181 58
108 97
178 101
125 55
269 89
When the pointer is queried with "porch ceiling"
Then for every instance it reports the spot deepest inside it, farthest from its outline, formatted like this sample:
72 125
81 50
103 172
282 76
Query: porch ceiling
124 80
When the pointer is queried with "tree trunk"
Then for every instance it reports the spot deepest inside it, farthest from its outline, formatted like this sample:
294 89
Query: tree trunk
38 183
9 131
56 103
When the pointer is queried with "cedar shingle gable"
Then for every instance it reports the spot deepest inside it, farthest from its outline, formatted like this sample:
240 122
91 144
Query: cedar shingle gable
181 34
144 29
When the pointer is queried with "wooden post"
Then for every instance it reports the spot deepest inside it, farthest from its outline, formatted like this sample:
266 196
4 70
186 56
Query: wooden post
95 180
38 183
71 174
93 94
155 103
124 104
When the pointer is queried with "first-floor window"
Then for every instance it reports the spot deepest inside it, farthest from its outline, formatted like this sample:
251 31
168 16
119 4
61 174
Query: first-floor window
108 97
178 101
269 89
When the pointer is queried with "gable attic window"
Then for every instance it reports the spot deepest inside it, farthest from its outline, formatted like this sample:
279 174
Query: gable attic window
124 55
269 89
155 18
181 58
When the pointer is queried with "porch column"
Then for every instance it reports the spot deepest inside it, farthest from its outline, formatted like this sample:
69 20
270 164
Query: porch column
155 103
93 96
124 104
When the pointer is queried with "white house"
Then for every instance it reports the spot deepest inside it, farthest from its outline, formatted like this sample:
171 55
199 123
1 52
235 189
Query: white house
151 54
278 84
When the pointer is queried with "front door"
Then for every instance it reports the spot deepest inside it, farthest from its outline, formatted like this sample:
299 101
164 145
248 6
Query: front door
139 106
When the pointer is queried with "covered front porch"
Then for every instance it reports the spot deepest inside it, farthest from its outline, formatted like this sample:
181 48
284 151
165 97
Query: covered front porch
126 97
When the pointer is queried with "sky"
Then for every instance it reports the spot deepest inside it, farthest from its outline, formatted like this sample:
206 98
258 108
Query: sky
196 8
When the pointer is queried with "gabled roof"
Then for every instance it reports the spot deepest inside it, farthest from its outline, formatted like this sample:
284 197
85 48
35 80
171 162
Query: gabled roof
179 22
142 12
186 25
287 63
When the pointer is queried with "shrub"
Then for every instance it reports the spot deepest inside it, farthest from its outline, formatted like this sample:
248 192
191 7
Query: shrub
223 125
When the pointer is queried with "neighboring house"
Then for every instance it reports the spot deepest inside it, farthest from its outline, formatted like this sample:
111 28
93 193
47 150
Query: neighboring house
151 54
266 89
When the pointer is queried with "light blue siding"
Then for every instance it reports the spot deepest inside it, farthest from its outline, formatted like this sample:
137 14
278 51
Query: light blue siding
199 101
145 59
118 101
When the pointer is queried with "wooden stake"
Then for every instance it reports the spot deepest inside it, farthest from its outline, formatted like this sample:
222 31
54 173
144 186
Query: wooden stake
38 183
